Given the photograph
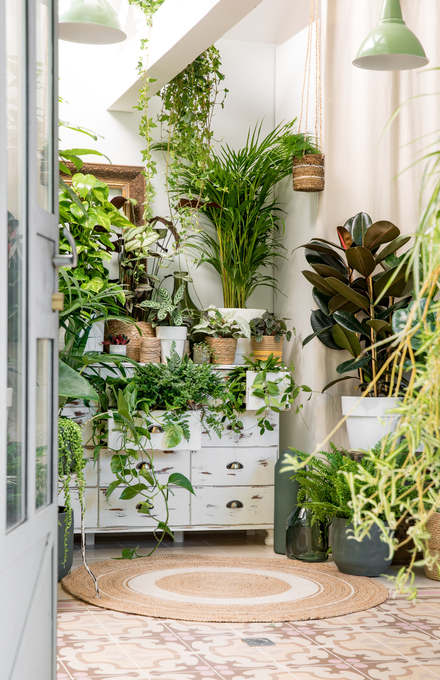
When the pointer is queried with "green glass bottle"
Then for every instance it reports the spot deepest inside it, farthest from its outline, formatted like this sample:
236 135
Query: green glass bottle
286 490
306 541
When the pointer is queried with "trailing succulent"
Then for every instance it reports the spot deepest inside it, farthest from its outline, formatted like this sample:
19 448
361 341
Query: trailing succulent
269 325
357 286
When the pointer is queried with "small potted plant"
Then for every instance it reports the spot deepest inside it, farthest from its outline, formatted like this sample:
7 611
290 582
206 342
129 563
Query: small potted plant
201 353
222 332
268 333
168 321
357 286
117 344
324 488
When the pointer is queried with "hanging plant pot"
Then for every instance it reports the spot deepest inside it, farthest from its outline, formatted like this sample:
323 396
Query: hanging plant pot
308 173
223 350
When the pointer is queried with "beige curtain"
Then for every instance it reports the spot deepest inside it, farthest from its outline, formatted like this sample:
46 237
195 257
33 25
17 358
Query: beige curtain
362 162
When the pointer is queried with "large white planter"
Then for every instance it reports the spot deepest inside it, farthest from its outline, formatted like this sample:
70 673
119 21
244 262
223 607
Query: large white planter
255 403
369 421
169 334
118 349
115 437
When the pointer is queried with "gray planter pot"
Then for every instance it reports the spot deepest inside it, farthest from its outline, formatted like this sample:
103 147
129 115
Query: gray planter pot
366 558
64 566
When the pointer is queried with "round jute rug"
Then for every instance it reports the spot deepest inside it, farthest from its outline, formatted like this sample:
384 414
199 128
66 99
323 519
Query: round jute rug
225 589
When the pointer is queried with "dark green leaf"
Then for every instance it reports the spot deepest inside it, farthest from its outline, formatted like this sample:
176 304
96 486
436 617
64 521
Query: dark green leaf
340 303
338 380
358 226
351 365
72 384
180 480
321 300
346 340
129 493
349 293
320 323
379 325
392 283
361 260
114 485
350 322
319 282
392 247
379 233
401 304
324 270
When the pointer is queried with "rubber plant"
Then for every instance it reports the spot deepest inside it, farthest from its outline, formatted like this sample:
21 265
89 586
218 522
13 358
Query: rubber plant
358 284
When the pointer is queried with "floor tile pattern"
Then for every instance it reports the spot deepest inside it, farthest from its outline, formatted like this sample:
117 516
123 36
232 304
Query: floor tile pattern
398 640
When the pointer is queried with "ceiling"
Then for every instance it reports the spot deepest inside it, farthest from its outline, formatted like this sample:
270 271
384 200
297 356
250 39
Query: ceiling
273 21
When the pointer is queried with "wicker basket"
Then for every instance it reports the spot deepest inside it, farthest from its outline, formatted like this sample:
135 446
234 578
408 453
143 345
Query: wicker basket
267 346
308 173
117 326
433 526
149 351
223 350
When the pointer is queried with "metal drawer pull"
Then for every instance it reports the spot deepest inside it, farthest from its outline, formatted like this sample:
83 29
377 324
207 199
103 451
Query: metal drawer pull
235 466
143 466
155 429
150 505
234 504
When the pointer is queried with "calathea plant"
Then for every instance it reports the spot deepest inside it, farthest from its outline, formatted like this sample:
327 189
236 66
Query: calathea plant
166 308
269 325
356 287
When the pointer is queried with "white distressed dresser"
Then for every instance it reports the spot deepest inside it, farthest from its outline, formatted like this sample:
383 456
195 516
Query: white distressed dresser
232 476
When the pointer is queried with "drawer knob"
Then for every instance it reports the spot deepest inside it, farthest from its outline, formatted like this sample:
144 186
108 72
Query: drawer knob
143 466
234 504
235 466
155 429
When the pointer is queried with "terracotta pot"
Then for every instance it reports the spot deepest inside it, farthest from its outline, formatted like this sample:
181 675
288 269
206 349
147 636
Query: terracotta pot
262 350
223 350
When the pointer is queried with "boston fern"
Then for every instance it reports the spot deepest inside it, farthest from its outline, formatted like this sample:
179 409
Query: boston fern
356 287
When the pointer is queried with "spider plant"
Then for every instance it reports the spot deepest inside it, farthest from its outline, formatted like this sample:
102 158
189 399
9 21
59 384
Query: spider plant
243 221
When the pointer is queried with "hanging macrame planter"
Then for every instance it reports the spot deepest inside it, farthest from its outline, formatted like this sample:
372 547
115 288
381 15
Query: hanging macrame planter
308 169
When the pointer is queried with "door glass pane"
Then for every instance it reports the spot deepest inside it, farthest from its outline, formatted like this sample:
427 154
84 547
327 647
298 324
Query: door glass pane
15 96
44 105
44 423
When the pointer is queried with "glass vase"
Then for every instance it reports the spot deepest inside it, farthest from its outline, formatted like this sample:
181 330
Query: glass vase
305 541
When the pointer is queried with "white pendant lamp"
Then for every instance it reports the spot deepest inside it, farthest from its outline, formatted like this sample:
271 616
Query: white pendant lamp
91 22
391 46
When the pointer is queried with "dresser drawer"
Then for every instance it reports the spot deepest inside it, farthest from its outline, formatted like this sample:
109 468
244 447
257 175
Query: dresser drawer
91 503
233 467
209 505
119 513
249 435
165 463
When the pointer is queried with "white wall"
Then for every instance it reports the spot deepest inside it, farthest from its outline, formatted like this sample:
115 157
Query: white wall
250 78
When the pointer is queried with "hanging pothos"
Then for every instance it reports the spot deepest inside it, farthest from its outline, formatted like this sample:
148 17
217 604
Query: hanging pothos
188 103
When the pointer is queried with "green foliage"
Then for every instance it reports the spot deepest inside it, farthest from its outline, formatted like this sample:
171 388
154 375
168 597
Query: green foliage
269 325
71 462
244 220
166 308
218 325
355 305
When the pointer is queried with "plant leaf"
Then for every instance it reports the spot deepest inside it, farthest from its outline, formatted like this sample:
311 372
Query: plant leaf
344 237
358 226
72 384
173 436
349 321
320 322
351 365
321 300
399 279
340 303
338 380
128 493
379 233
392 248
361 260
178 479
112 486
379 325
325 271
319 282
346 340
349 293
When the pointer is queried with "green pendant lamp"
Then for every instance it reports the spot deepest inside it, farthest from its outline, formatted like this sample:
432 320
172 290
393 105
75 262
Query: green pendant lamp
91 22
391 46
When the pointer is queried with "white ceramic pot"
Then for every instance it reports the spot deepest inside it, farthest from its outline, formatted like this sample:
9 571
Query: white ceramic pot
169 334
369 421
244 349
118 349
96 337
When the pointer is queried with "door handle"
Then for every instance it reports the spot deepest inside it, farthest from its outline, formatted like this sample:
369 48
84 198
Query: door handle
67 260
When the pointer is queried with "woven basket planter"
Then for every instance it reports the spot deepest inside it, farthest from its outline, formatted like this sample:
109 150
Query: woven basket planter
223 350
433 526
262 350
308 173
117 326
149 351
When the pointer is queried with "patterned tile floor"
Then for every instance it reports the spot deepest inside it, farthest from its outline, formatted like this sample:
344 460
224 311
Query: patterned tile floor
398 640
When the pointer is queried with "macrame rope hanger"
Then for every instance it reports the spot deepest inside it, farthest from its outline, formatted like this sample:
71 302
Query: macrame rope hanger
313 39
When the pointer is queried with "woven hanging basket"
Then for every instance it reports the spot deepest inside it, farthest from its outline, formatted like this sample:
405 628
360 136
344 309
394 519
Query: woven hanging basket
223 350
433 526
117 326
308 173
149 350
262 350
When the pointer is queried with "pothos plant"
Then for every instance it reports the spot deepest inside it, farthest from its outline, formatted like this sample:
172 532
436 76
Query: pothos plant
357 286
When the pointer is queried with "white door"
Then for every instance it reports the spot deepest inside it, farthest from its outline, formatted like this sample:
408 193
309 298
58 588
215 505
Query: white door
28 353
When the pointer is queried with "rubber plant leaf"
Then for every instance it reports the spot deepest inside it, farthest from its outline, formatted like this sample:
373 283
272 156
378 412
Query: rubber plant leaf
349 293
361 260
319 282
329 243
358 227
378 325
349 322
326 271
351 365
313 257
177 479
320 322
401 304
321 300
344 237
318 248
392 283
346 340
392 248
309 338
380 233
339 302
338 380
71 384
